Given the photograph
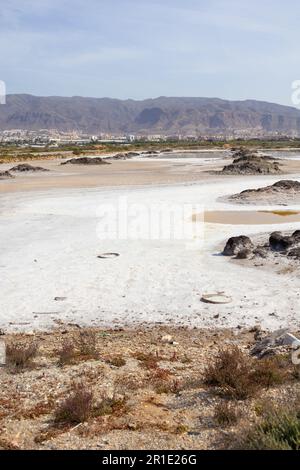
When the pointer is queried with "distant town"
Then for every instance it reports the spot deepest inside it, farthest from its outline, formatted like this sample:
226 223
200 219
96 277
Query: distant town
53 138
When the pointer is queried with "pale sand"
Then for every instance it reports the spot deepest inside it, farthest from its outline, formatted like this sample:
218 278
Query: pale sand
118 173
135 172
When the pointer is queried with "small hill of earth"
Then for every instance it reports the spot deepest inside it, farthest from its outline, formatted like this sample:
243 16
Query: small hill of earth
25 167
282 192
86 161
246 162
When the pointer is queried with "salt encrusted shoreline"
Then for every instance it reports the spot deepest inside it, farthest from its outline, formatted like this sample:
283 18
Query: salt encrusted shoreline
51 249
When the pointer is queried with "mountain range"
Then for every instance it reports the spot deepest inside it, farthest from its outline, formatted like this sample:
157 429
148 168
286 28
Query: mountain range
163 115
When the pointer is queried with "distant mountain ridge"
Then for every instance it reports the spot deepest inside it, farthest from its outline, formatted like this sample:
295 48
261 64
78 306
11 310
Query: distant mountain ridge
163 115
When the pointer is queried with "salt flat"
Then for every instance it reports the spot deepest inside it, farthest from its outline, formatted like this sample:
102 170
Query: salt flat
50 243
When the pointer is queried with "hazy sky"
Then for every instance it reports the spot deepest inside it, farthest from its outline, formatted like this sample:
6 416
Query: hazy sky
234 49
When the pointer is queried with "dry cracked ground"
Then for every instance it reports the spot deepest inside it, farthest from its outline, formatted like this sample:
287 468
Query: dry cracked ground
159 388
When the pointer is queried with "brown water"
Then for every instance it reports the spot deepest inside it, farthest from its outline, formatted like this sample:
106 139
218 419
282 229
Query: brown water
248 217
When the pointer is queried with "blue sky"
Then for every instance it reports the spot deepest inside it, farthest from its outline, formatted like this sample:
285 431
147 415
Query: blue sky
147 48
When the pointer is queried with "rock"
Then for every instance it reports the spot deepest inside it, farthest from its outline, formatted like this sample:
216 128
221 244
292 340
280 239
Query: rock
287 339
296 236
244 254
5 175
280 242
261 252
236 244
167 339
294 253
273 343
86 161
25 167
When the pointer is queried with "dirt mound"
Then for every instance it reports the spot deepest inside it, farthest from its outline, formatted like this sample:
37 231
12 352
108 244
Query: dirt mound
86 161
282 191
5 175
25 167
251 163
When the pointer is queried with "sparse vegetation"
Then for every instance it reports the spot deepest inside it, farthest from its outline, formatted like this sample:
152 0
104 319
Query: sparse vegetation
148 360
116 361
67 353
236 375
226 414
278 430
20 355
88 344
77 407
83 402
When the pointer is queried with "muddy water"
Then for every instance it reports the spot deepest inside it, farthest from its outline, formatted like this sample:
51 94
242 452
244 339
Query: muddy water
248 217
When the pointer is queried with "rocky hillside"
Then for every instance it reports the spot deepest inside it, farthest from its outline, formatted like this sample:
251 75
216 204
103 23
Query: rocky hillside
160 115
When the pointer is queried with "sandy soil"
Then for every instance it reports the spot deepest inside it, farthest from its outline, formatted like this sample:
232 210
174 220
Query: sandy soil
119 173
136 172
155 393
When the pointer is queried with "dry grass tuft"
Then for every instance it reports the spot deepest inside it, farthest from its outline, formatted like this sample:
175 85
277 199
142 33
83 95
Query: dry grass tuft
20 355
67 354
117 361
148 360
76 408
239 376
87 344
225 414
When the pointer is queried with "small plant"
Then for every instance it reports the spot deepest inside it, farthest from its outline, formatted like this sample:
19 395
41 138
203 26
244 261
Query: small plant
239 376
225 414
20 355
279 430
231 372
110 406
67 353
117 361
181 429
76 408
88 344
148 360
271 371
167 387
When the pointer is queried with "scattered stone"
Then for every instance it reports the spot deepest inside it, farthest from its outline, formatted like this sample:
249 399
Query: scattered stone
237 244
274 343
167 339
